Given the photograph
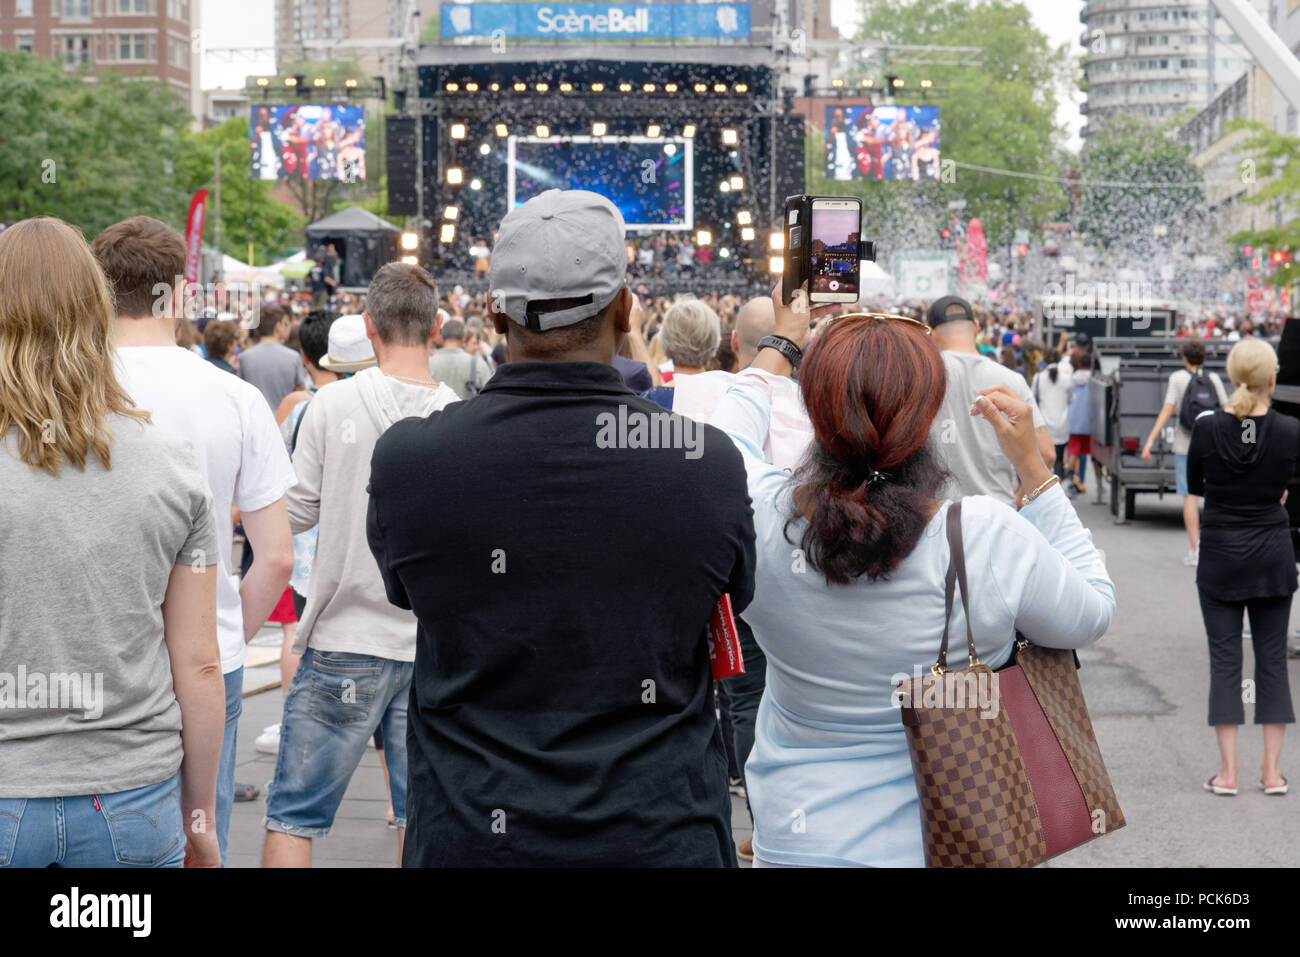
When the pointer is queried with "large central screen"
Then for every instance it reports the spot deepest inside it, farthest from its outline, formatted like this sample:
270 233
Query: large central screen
648 179
882 142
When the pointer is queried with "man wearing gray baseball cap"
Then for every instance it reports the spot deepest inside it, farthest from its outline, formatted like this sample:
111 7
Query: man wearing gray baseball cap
562 707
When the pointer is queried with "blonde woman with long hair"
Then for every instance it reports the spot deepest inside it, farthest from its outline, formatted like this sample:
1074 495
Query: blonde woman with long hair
1241 459
109 744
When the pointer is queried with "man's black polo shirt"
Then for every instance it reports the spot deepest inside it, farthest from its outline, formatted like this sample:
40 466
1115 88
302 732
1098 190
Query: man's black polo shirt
563 575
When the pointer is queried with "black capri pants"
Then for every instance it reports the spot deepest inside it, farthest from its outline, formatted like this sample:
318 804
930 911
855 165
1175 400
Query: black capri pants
1269 620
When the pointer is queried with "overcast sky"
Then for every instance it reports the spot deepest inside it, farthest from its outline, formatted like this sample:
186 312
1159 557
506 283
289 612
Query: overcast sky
251 23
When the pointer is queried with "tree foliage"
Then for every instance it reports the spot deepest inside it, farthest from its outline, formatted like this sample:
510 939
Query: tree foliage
1273 159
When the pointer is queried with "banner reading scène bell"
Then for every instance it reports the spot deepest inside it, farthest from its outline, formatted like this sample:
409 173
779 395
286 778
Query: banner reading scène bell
626 21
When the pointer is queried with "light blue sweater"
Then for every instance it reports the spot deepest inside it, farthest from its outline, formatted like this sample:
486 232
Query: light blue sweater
830 779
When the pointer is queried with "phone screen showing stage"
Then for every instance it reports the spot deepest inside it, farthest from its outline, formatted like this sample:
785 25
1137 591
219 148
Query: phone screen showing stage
833 254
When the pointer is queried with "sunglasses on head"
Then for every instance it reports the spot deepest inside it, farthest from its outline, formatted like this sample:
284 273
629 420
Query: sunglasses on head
881 316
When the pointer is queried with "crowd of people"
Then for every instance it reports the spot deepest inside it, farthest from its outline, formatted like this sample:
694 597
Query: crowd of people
494 530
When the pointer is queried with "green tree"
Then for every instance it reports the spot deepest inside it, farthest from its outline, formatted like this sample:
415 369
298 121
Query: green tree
1272 159
250 213
999 115
88 153
1132 149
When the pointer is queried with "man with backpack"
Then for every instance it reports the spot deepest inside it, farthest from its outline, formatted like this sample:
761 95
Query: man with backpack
1190 393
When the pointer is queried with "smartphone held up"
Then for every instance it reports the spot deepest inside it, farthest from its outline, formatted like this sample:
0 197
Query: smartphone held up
824 248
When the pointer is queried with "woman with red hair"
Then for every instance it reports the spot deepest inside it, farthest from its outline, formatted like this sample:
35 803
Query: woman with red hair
849 589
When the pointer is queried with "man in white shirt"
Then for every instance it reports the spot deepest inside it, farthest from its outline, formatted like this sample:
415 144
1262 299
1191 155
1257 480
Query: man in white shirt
233 433
1193 353
966 444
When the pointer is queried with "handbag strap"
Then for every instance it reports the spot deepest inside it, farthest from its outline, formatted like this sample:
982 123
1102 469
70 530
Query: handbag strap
957 574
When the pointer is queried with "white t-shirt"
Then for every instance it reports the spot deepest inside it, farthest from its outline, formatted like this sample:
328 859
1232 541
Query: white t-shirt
966 443
239 448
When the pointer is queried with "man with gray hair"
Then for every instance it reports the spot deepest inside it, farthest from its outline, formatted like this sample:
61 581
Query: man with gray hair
357 649
561 715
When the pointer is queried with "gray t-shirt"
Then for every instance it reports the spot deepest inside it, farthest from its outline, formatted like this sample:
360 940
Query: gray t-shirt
86 699
966 443
1177 389
274 368
457 368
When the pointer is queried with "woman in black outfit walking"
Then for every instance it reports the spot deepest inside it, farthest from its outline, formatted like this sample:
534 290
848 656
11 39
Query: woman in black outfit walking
1240 459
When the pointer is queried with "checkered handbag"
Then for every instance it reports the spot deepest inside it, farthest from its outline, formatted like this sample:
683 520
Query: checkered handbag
1007 767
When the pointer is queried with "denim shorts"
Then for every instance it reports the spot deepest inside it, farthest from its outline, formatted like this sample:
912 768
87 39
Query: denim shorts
142 827
1180 474
336 701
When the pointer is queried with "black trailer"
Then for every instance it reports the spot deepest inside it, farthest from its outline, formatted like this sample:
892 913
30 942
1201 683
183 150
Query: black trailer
1127 391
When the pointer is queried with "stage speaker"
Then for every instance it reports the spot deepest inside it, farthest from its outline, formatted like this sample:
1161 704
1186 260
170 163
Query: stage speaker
403 165
788 156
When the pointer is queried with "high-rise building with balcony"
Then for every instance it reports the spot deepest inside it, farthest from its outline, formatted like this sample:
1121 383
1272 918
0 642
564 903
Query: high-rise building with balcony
1154 58
154 37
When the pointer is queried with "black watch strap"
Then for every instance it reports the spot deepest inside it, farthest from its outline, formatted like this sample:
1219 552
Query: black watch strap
784 346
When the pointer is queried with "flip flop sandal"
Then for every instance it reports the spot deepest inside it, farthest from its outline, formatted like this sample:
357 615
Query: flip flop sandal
1219 789
246 792
1277 791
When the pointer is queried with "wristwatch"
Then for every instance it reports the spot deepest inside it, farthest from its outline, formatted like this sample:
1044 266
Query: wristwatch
784 346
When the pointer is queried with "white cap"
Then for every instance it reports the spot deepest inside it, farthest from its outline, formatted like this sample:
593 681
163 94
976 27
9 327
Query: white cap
350 349
560 245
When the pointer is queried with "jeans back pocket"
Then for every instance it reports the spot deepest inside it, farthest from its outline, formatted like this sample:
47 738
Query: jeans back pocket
11 816
145 824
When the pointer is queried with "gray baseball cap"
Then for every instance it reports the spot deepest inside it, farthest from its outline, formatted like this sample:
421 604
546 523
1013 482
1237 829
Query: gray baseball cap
560 246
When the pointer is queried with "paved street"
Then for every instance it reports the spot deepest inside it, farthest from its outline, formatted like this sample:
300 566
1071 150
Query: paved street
1147 683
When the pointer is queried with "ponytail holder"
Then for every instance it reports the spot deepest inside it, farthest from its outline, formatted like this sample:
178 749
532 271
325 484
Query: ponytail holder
874 476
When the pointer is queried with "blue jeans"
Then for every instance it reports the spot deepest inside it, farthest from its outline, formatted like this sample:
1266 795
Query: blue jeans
1180 474
142 827
226 766
335 702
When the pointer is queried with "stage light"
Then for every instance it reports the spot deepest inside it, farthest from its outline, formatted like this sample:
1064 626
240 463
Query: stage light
837 83
520 87
455 175
543 87
318 82
701 88
648 88
742 87
502 130
350 83
653 130
747 233
670 148
776 240
867 81
471 87
724 253
543 131
598 129
458 131
724 186
263 81
744 217
737 182
411 260
898 82
447 233
451 212
729 137
703 238
495 87
566 87
484 149
719 88
476 184
453 87
410 241
625 87
670 87
688 131
926 84
776 265
290 81
597 87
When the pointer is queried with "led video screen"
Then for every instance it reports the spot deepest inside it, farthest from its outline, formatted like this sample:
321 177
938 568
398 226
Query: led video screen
310 141
882 142
648 179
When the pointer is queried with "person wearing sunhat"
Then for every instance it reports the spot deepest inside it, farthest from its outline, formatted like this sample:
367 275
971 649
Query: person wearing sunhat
357 648
562 708
967 446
